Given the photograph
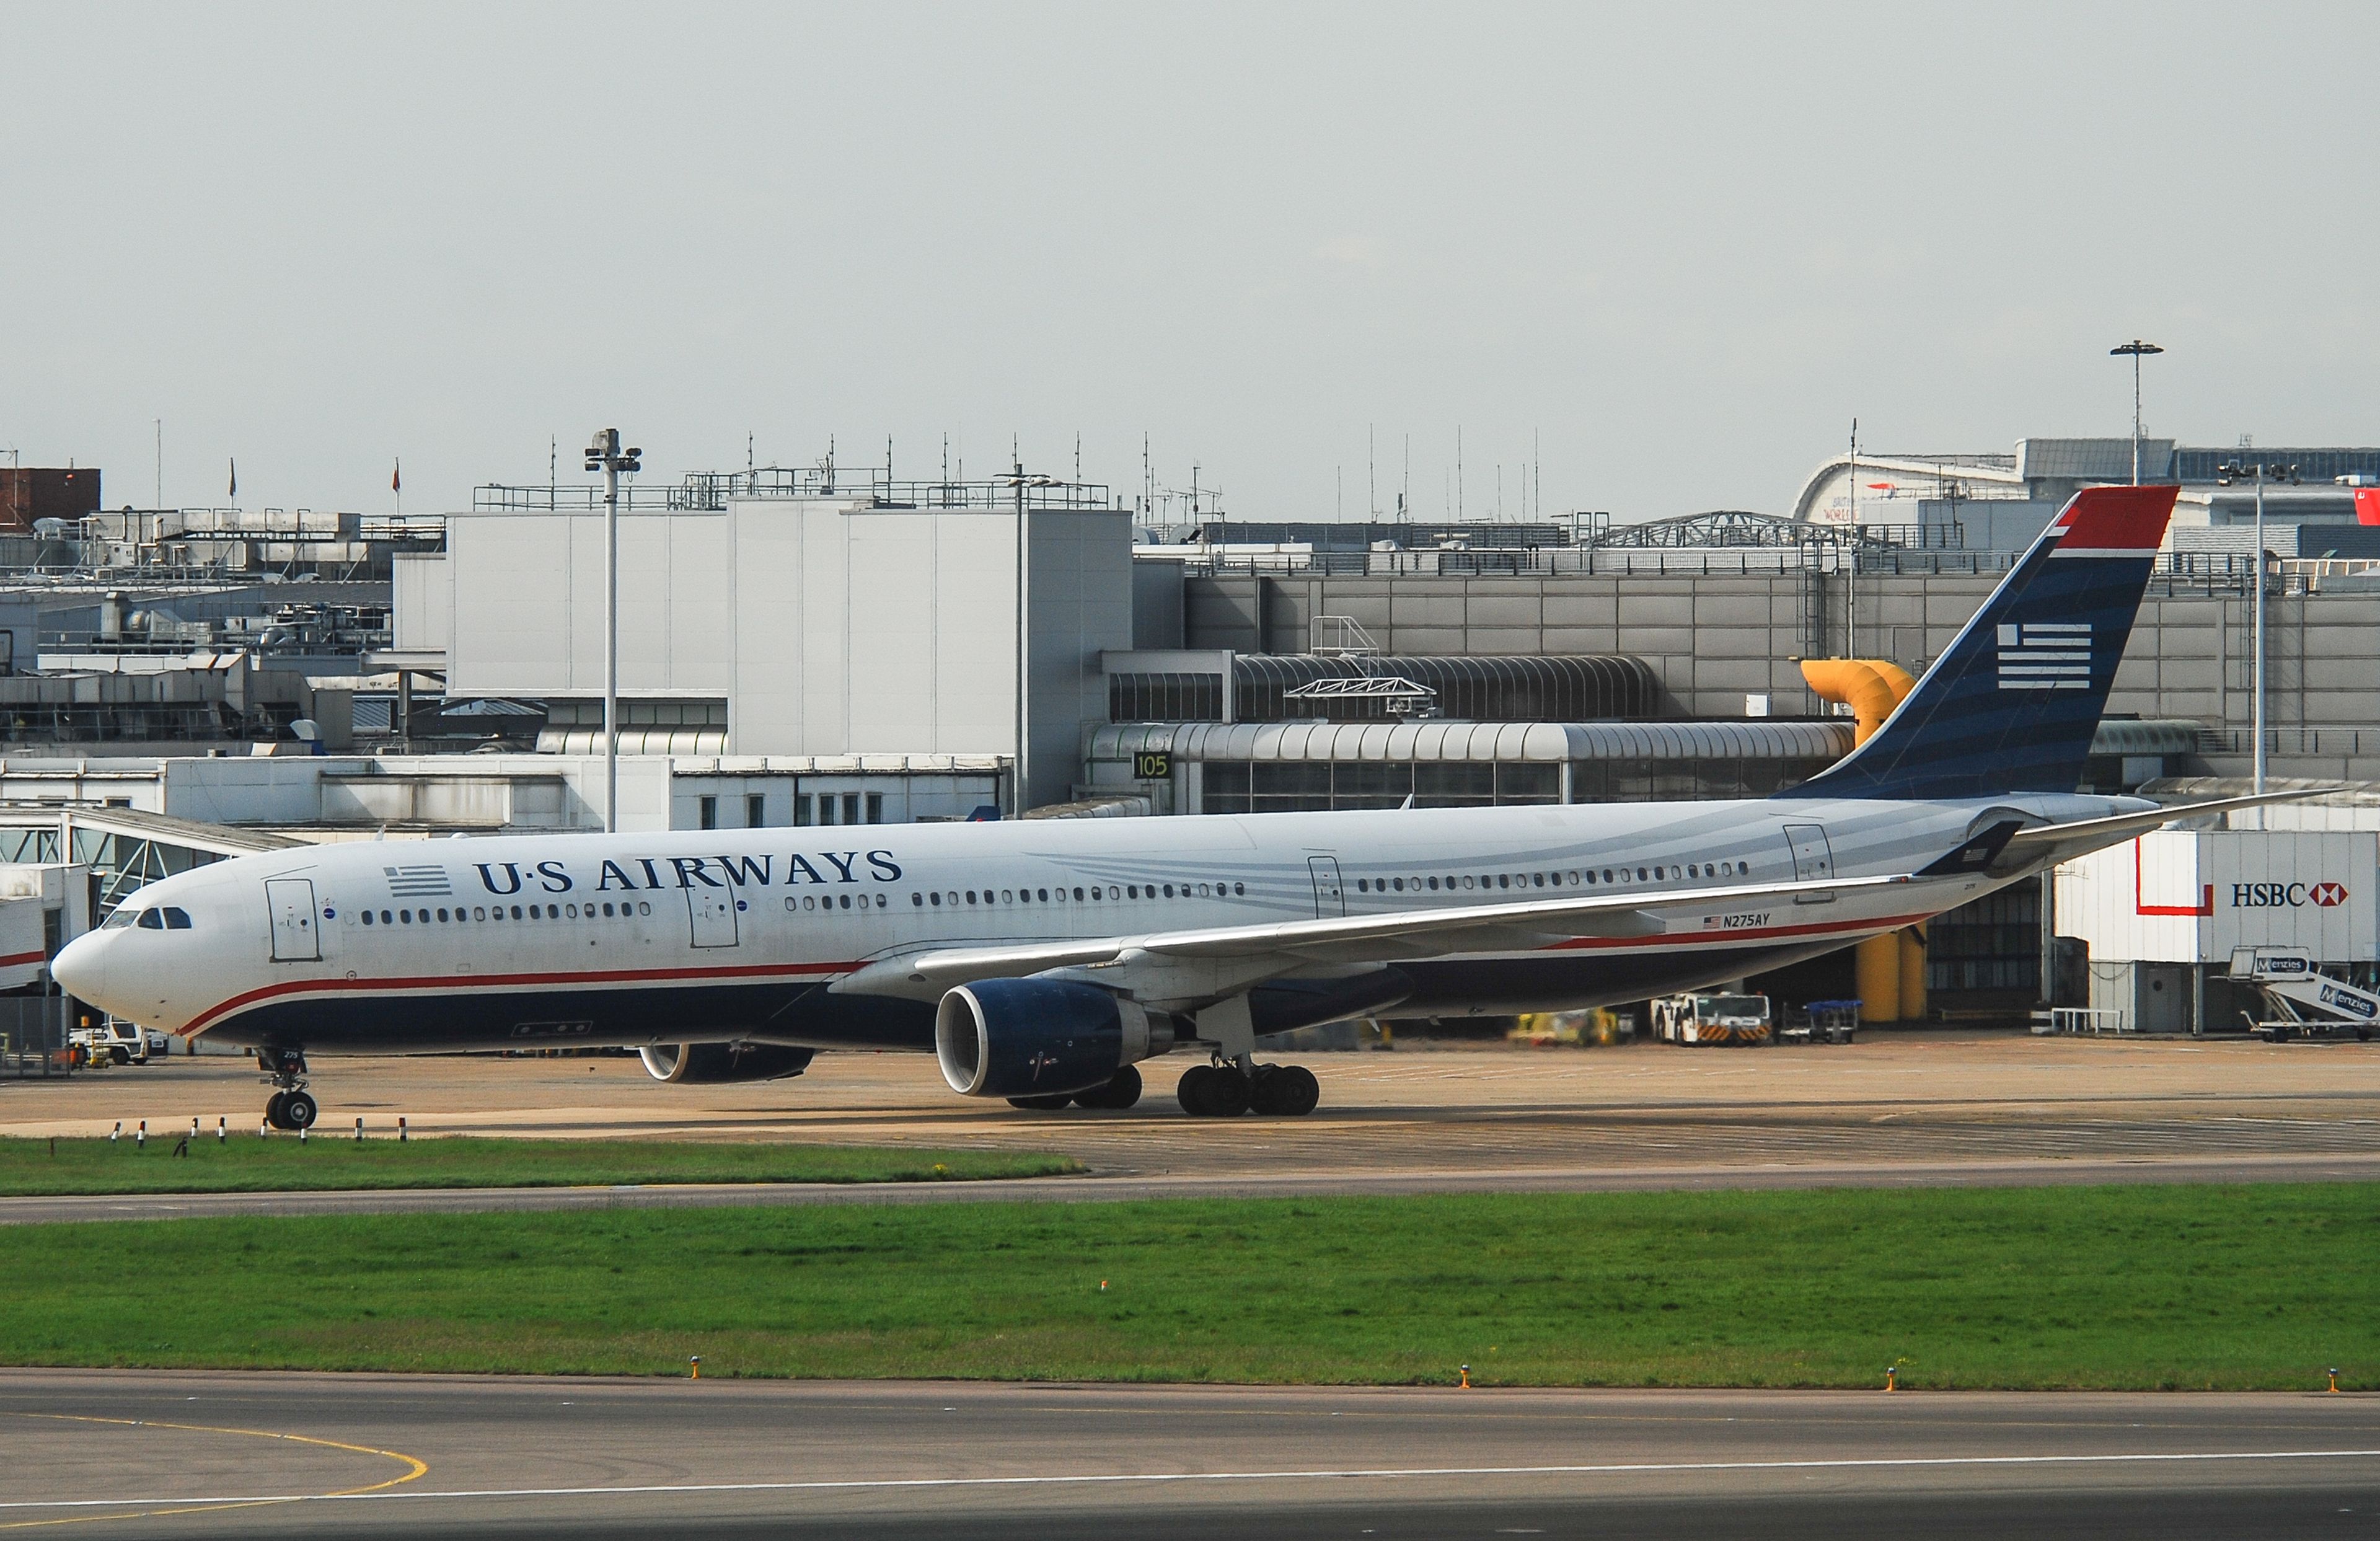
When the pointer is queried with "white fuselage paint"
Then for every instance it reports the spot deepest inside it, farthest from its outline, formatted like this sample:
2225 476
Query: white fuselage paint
277 948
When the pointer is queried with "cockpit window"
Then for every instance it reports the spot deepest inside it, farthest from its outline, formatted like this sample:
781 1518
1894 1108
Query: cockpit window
120 917
151 920
176 918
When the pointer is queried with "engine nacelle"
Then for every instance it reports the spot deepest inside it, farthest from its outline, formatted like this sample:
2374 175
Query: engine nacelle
687 1063
1031 1038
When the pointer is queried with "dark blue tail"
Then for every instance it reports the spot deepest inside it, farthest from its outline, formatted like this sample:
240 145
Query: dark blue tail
2012 703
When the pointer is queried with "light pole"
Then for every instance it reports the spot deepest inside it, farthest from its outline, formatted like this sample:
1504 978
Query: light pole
1017 479
2137 350
2262 471
604 453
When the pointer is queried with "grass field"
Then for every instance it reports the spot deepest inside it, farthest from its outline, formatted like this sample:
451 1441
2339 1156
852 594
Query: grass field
2150 1287
246 1163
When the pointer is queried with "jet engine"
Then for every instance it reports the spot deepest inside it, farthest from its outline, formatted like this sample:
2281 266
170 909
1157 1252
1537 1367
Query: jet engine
1038 1038
687 1063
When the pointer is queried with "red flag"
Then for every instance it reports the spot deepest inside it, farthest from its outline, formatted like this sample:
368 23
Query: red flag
396 478
2367 505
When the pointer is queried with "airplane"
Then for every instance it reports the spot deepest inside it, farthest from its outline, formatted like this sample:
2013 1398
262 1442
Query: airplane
1042 961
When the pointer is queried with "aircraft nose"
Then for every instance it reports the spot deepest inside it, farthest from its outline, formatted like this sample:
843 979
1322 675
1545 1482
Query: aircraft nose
79 970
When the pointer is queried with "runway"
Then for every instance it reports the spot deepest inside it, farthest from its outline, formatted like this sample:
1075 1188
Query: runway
120 1453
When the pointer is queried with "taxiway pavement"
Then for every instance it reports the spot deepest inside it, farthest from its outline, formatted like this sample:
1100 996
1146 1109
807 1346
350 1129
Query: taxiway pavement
140 1454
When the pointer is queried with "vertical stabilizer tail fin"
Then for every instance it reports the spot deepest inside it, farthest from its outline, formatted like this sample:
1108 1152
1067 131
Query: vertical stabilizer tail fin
2012 704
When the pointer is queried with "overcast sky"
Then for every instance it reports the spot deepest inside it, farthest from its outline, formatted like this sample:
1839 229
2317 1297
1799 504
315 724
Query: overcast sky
1677 246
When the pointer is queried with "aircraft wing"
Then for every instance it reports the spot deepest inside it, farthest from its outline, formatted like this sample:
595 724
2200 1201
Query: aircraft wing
1292 944
2107 831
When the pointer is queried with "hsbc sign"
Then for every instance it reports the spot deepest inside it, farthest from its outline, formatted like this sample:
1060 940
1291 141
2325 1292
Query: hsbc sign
2277 896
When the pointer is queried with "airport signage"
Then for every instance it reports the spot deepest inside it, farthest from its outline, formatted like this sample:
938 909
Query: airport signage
1152 764
2276 896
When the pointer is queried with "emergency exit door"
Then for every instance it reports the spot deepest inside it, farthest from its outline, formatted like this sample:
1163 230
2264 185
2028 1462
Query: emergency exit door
296 939
712 912
1814 860
1330 897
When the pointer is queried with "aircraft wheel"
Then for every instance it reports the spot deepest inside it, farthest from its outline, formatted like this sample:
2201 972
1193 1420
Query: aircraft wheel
1120 1093
1049 1104
273 1111
299 1111
1213 1091
1300 1091
1227 1092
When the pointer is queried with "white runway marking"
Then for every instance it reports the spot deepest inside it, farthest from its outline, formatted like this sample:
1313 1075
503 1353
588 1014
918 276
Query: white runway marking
1321 1474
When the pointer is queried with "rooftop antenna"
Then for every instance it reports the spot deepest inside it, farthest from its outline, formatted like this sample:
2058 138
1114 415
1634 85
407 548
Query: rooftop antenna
1078 456
1405 497
748 466
1457 473
553 467
888 464
161 463
1371 473
1536 474
1147 478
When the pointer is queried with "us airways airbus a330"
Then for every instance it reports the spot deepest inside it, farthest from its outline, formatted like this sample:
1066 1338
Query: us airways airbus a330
1041 961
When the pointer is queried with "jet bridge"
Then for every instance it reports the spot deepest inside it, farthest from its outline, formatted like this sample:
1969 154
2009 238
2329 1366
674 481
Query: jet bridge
124 848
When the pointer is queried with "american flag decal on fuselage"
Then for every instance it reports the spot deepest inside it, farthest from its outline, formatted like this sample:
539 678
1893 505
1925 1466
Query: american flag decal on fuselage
418 882
2046 655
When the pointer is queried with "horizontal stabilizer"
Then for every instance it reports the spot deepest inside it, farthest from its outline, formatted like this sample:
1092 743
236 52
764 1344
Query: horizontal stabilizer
2123 824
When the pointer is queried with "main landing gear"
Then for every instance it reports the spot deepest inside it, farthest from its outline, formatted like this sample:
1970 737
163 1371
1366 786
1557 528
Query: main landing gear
1227 1090
290 1108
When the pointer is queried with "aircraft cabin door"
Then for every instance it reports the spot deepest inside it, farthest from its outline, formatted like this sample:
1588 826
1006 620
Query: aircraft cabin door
714 914
1330 897
290 902
1813 859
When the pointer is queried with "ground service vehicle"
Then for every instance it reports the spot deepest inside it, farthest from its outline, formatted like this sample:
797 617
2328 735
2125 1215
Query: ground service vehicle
1742 1020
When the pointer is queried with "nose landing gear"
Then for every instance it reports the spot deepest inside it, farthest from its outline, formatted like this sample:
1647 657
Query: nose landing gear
1228 1090
291 1107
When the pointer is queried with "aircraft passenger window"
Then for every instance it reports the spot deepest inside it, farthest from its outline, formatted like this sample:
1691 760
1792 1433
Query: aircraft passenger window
1044 894
1006 897
153 920
1078 895
368 919
1239 889
1540 879
918 899
570 910
809 902
1169 890
643 908
1363 885
934 898
1503 880
846 901
516 911
1132 891
954 898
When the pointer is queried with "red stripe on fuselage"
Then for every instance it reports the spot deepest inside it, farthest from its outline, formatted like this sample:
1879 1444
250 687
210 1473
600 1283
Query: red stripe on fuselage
496 981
